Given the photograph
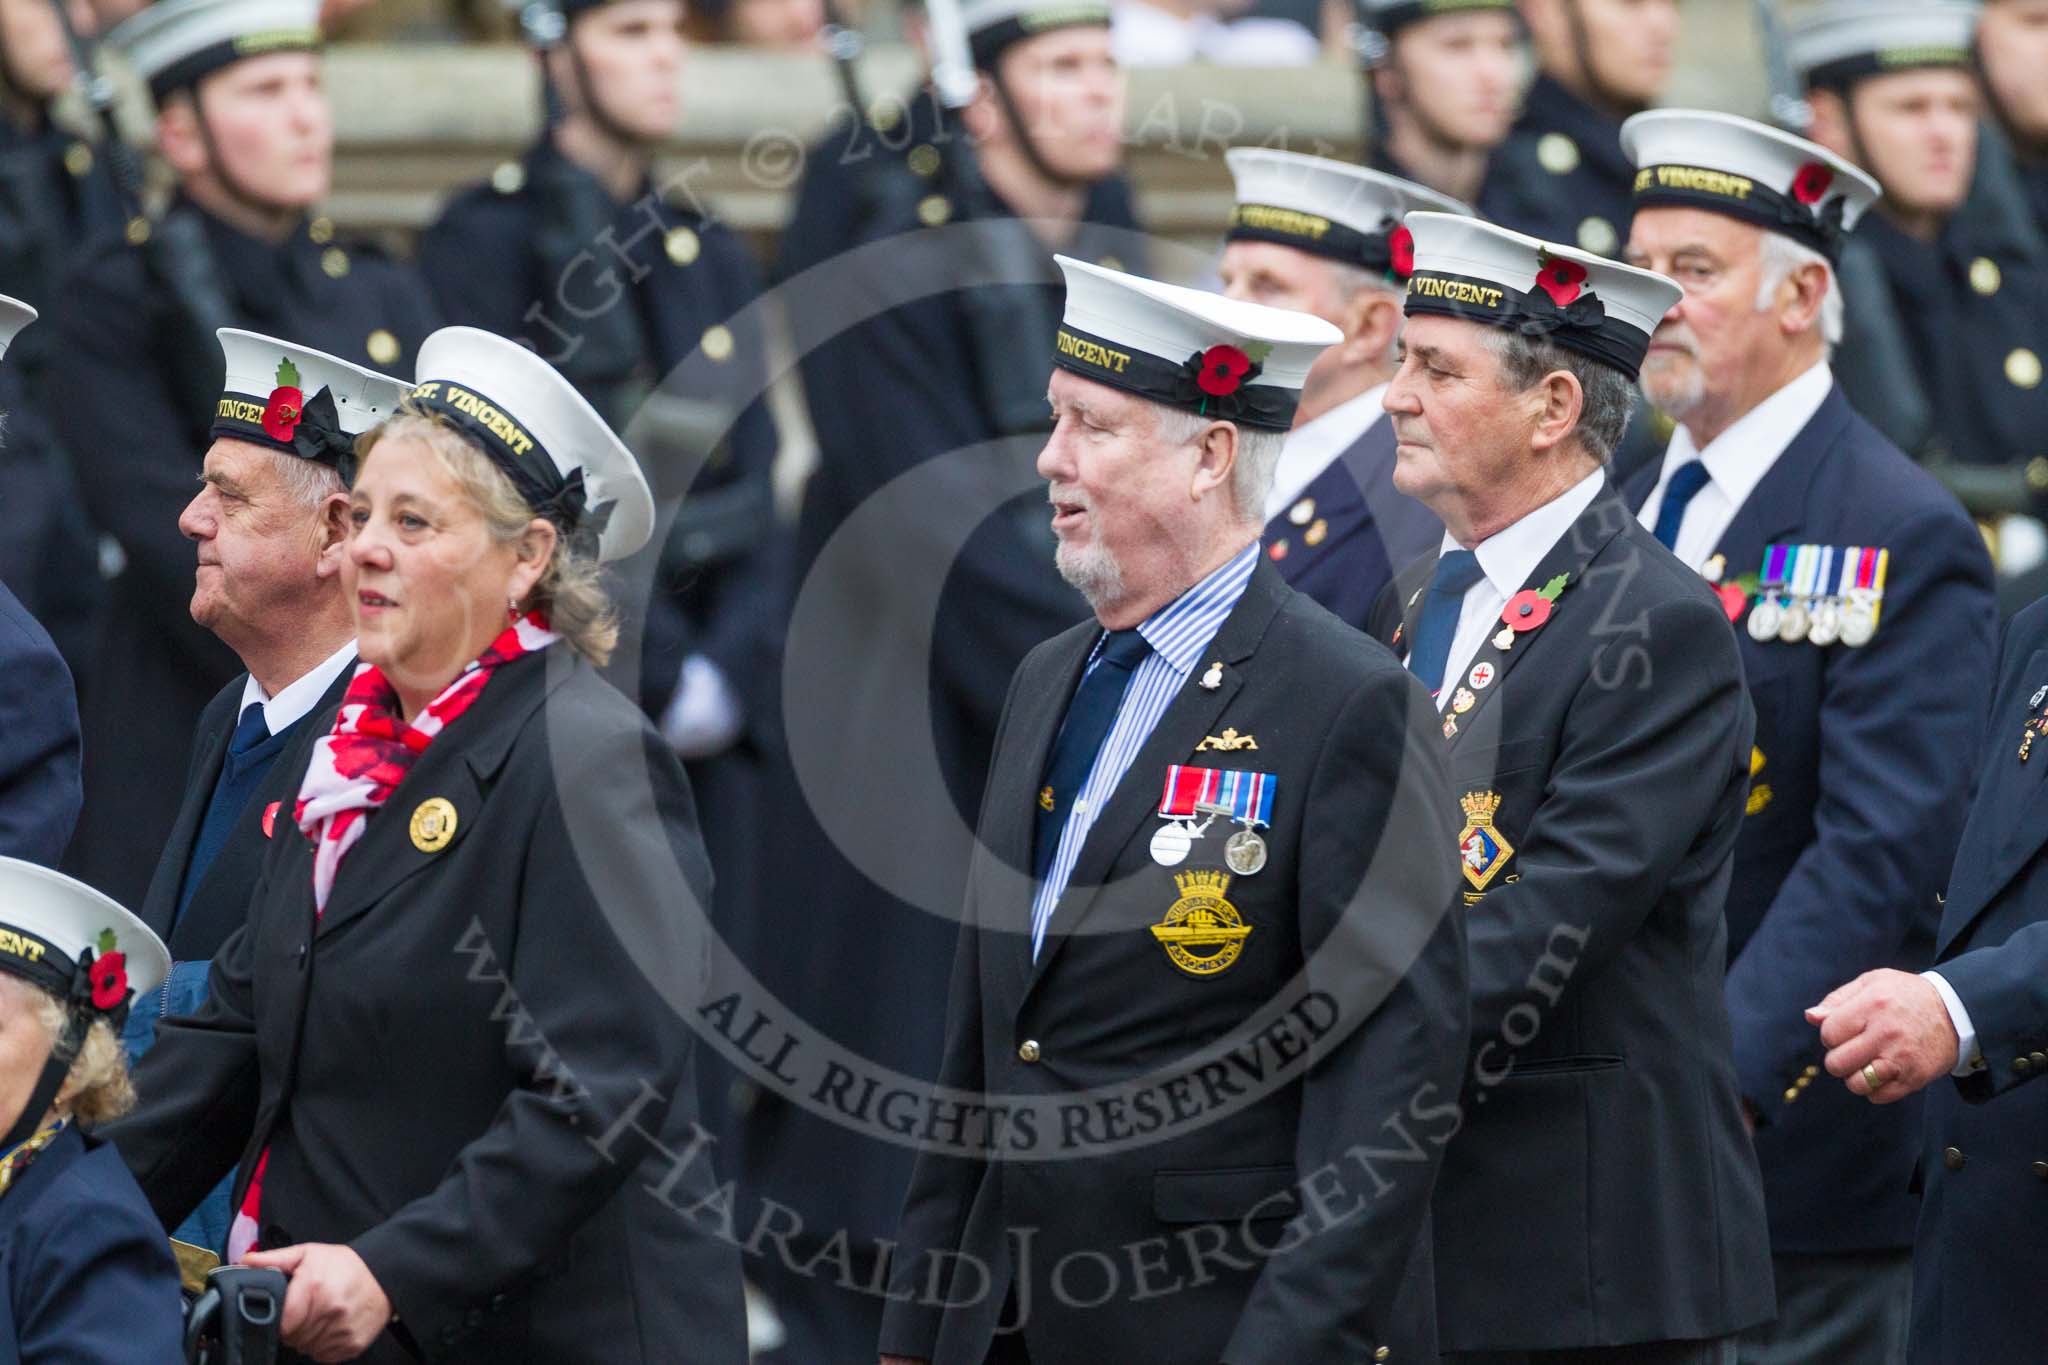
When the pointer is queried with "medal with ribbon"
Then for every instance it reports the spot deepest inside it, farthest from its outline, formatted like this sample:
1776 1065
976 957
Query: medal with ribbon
1191 793
1766 616
1865 594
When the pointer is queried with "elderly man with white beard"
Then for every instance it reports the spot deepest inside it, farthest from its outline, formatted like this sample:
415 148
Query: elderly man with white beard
1814 529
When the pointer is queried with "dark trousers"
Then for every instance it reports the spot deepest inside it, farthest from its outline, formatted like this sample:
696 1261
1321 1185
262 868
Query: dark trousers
1851 1308
1719 1351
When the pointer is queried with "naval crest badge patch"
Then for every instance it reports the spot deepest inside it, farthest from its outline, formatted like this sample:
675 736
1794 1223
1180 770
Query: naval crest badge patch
1482 850
1202 933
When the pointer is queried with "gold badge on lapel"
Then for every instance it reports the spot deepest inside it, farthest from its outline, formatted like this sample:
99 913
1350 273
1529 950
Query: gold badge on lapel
1759 792
433 824
1202 932
1228 740
1482 852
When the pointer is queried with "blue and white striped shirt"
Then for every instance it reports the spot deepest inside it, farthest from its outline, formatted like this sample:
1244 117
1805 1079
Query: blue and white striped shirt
1178 633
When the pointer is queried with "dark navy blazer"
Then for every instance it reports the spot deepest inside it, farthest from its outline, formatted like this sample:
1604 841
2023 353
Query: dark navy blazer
1977 1261
1858 784
1367 528
88 1269
40 791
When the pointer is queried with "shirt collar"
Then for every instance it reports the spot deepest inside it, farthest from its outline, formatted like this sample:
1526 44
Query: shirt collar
1179 631
1739 457
1312 445
296 698
1510 555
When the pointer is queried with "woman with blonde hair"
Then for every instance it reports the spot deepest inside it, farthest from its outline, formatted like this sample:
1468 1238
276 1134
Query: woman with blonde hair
451 1045
89 1274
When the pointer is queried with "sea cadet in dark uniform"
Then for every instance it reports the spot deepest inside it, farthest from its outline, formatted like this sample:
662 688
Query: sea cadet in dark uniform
451 1045
88 1275
270 523
1210 786
1560 175
915 389
1973 1032
1599 740
39 752
1861 593
2012 50
135 376
55 194
1323 237
1444 78
1946 283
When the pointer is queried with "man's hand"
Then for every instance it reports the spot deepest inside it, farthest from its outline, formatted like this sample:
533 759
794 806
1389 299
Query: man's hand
334 1308
1892 1022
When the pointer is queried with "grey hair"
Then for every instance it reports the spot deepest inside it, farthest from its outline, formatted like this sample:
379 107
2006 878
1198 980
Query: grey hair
1258 454
1780 257
1609 395
309 482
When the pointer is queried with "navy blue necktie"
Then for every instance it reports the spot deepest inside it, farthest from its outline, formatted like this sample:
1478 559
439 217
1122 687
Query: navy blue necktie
1438 626
1089 717
251 751
1686 480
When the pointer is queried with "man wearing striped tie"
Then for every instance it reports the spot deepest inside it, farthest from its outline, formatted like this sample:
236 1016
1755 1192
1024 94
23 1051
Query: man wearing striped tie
1862 596
1209 1000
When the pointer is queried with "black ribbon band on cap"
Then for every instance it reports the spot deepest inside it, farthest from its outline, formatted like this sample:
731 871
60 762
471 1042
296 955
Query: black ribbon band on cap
986 44
562 499
316 432
1175 384
191 68
1737 196
1846 71
1583 325
1312 233
1391 19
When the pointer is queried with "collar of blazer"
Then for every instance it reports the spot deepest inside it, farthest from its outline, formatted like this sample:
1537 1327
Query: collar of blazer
2008 820
456 768
1190 717
1600 523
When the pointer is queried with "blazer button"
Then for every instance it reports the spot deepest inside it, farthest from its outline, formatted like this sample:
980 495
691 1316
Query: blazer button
1381 1354
1953 1158
1791 1094
2020 1064
1028 1050
2041 1169
2039 1059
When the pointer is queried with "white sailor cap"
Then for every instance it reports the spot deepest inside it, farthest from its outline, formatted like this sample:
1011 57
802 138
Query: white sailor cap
1695 158
542 434
74 942
1838 42
1216 357
993 25
1391 16
14 315
1329 208
1465 268
298 400
172 43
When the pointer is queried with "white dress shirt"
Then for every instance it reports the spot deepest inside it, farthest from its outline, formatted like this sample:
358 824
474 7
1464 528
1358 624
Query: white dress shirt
1736 461
1506 559
1968 1056
296 698
1312 445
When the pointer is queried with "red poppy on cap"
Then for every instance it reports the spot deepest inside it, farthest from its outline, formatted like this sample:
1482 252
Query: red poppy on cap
1223 369
1811 183
282 413
1561 279
108 976
1401 248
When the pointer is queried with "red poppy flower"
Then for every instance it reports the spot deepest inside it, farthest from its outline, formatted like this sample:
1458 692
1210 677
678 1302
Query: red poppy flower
1401 247
1527 609
1223 369
1811 183
1561 279
1733 600
282 413
109 977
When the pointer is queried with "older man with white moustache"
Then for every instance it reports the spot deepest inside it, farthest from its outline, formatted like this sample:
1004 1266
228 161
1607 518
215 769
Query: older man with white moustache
1325 237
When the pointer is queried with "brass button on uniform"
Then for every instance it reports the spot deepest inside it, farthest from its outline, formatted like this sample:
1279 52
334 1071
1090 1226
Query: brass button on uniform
508 178
321 230
2019 1064
1813 1071
383 347
78 159
137 231
924 160
682 245
1953 1158
2023 368
2039 1059
1791 1094
1598 236
1382 1353
1557 154
335 262
934 210
717 343
1027 1051
1984 276
884 115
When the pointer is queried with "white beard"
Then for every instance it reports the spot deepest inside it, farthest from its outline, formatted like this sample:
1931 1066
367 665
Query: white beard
1092 571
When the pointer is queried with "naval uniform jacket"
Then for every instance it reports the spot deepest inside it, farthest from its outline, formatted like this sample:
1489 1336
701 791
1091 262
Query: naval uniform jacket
1859 780
1341 539
1360 809
39 786
88 1272
1602 1190
220 903
110 394
1561 174
1977 1254
470 1068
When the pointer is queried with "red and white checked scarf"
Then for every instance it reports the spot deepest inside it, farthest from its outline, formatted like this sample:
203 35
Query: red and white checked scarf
357 766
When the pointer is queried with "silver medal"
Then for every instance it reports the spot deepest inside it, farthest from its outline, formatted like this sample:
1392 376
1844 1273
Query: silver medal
1859 623
1792 629
1244 852
1764 618
1827 623
1170 844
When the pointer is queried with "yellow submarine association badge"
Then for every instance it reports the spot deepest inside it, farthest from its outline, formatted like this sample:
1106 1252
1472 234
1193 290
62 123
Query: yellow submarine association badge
1202 932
